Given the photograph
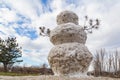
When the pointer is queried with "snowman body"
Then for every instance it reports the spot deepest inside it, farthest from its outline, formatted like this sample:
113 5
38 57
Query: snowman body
69 56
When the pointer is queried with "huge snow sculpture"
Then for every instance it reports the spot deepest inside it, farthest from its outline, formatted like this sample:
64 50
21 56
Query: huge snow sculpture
70 56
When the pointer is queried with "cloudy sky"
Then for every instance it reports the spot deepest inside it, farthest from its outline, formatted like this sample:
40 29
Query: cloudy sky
22 18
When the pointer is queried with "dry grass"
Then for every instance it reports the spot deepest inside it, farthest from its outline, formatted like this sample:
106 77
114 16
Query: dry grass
53 78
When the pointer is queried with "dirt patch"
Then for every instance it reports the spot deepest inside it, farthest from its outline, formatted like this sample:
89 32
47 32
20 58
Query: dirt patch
53 78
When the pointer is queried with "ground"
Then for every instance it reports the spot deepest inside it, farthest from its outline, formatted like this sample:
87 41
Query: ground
53 78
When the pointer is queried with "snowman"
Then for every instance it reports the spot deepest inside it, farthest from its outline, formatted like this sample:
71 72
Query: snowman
69 56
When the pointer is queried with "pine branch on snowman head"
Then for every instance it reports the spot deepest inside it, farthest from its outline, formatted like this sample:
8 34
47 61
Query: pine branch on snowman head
44 31
89 25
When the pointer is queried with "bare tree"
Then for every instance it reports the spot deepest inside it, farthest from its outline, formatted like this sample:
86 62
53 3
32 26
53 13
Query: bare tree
99 61
116 62
119 64
107 62
110 61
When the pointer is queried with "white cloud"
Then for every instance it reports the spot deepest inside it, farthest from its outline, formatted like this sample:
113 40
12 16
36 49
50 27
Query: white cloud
7 16
38 48
107 35
25 7
57 5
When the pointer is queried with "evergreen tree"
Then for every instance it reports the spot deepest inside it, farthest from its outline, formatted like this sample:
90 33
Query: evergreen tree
9 52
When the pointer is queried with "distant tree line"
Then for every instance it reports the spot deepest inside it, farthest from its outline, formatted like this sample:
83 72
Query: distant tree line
36 70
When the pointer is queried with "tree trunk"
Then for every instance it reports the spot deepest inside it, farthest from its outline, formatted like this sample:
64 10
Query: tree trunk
5 67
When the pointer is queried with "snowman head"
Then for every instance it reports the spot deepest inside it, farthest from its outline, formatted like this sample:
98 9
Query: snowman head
67 17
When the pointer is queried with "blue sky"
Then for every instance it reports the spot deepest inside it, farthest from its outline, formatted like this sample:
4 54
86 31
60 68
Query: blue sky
22 18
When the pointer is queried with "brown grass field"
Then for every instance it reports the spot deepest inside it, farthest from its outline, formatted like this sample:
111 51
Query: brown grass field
43 77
